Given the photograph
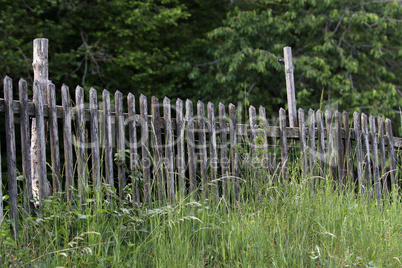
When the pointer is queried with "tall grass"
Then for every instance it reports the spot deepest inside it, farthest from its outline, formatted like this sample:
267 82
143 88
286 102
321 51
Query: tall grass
271 225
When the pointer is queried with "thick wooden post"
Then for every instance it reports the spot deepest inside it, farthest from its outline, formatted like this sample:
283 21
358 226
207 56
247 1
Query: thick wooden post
41 75
290 86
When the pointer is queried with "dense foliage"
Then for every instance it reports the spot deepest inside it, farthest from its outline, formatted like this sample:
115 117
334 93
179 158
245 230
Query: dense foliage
347 51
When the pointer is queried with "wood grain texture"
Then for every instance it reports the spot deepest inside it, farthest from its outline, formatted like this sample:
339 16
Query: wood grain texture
191 145
120 143
366 156
80 142
321 142
67 140
391 153
340 151
348 166
134 167
202 147
213 151
25 146
303 143
383 157
269 167
169 151
290 86
376 168
223 149
11 154
108 142
157 147
181 167
359 152
311 145
54 139
233 152
284 147
95 137
145 160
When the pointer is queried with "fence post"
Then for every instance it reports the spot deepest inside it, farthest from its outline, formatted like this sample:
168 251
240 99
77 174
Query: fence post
41 74
290 86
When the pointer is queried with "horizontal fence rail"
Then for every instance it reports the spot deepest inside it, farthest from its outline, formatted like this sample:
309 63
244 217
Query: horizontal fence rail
165 151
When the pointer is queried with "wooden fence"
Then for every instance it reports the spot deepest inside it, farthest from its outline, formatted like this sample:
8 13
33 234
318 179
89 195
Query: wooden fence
169 151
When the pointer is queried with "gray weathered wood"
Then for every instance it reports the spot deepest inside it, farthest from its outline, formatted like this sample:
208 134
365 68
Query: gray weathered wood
284 148
133 149
330 142
25 146
303 145
321 141
80 142
11 153
348 166
40 129
269 168
191 145
169 154
311 145
180 126
391 153
107 130
120 142
255 157
233 152
381 143
202 147
67 140
54 140
340 151
145 160
157 146
94 127
290 86
213 153
223 149
376 169
366 156
359 152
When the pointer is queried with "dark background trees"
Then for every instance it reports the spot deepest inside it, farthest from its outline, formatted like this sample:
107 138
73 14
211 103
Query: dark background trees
349 52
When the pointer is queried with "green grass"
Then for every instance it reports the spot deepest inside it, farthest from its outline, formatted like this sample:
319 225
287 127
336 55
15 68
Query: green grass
283 227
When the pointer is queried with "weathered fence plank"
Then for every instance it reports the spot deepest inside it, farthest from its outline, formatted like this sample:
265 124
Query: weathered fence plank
303 144
391 153
321 141
381 143
213 149
223 149
157 147
367 160
331 145
54 140
107 130
284 148
133 149
348 166
67 140
25 146
180 126
359 152
202 147
340 151
169 161
40 130
146 161
269 167
233 152
191 145
94 128
376 169
80 142
255 156
311 145
120 140
11 153
290 86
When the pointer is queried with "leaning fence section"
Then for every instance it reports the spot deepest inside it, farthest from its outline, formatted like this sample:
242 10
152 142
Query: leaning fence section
165 151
